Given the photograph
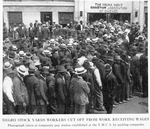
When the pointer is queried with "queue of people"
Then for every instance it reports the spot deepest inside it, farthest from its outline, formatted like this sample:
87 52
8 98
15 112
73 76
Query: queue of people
50 69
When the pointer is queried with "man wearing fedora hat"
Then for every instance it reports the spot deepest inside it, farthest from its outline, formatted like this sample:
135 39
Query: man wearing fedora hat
51 85
109 89
32 84
80 91
20 91
43 100
61 89
117 72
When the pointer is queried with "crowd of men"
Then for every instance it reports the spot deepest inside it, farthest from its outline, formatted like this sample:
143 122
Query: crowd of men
50 69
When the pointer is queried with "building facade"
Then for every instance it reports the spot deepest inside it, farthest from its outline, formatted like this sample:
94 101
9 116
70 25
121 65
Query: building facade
62 11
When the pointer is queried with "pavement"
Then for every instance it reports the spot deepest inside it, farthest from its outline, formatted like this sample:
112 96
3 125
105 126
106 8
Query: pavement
136 105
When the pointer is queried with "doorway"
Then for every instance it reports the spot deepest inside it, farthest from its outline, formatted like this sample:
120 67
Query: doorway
46 16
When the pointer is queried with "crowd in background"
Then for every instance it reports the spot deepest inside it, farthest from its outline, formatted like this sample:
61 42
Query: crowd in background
76 69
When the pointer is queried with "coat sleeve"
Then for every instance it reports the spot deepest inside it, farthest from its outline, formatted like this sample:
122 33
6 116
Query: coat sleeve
17 90
86 88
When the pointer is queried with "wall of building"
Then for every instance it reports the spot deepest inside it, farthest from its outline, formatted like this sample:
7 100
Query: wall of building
31 9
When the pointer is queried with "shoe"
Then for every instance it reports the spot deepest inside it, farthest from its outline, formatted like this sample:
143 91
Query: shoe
114 106
124 101
130 96
120 102
115 103
144 96
128 99
91 111
100 109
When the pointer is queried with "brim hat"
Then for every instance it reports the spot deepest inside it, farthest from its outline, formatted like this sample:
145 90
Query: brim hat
44 70
27 61
32 68
61 68
117 58
28 55
36 62
133 48
80 70
21 53
52 69
63 46
14 48
22 70
141 49
7 65
17 62
11 54
46 52
110 58
108 67
95 59
35 38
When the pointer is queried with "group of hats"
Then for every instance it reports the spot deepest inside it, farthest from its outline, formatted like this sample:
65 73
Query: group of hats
21 69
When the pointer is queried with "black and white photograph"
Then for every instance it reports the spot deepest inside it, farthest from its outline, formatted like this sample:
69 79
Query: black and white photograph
74 57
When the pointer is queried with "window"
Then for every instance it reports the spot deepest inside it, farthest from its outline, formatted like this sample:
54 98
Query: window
65 17
14 17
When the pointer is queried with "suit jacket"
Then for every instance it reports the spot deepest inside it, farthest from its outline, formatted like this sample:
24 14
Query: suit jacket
80 90
32 84
135 63
79 27
20 91
44 58
31 31
22 32
110 85
43 92
51 86
45 33
61 91
89 78
117 72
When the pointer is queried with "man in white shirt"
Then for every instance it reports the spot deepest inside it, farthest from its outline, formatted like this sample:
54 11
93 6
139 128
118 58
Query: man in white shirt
98 88
8 90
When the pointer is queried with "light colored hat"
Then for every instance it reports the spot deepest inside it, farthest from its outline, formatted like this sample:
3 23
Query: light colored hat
21 53
52 40
36 38
108 67
47 52
14 47
7 65
80 70
37 62
22 70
